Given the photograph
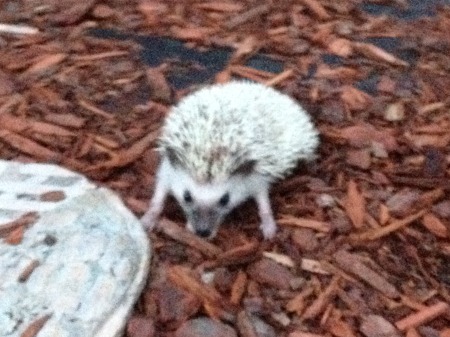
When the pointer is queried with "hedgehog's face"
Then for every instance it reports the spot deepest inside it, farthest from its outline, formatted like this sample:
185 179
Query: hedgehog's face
204 216
206 204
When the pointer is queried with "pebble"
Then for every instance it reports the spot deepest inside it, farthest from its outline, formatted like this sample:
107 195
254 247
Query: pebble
205 327
305 239
140 327
250 325
270 273
174 304
378 326
262 328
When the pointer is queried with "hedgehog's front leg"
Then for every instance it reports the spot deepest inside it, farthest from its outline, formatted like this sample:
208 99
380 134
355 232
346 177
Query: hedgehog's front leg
150 218
268 225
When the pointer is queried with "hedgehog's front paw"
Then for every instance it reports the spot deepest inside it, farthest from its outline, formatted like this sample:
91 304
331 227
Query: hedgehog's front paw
149 220
268 228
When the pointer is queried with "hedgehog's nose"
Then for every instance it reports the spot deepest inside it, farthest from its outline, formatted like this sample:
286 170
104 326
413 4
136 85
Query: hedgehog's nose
204 233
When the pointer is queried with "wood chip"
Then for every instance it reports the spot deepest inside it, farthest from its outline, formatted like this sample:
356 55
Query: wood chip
355 205
443 333
341 47
376 233
434 225
423 316
25 274
238 288
52 196
18 29
351 263
33 329
15 236
280 258
280 77
24 221
99 112
299 303
313 266
251 14
65 119
182 235
323 299
378 54
28 146
317 8
340 328
239 255
364 135
304 334
160 90
99 56
220 6
182 278
128 155
289 220
45 63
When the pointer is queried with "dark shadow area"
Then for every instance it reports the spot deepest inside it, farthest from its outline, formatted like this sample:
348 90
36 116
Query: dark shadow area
189 66
416 9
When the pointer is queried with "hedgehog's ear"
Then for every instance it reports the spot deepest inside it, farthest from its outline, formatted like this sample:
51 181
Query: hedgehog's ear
172 156
246 168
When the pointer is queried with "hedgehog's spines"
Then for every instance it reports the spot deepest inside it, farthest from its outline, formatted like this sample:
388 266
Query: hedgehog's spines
218 128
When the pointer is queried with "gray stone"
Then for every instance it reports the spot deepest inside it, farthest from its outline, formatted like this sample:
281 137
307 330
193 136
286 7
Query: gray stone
378 326
205 327
92 255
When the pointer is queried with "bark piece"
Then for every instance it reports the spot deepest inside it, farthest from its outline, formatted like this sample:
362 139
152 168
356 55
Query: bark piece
351 263
423 316
269 272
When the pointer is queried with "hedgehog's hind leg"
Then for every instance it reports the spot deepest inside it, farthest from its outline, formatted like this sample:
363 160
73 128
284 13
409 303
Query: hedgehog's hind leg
268 225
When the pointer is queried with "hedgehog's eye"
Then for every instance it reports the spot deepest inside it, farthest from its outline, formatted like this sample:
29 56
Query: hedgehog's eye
187 197
223 201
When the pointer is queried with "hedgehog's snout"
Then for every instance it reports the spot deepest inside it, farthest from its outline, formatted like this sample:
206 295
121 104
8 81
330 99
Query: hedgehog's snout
204 222
204 233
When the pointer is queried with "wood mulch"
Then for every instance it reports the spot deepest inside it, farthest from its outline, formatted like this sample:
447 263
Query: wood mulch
363 247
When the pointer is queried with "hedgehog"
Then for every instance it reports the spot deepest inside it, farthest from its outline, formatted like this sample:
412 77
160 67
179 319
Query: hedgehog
224 144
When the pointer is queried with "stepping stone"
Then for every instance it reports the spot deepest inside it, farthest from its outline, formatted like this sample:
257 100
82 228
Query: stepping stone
81 263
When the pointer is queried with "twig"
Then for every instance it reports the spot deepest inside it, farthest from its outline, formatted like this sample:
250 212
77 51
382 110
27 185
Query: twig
425 315
94 109
320 303
16 29
280 77
289 220
247 16
377 233
99 56
315 7
180 234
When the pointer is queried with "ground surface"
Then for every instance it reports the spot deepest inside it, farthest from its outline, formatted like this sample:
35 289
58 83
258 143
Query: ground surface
363 246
